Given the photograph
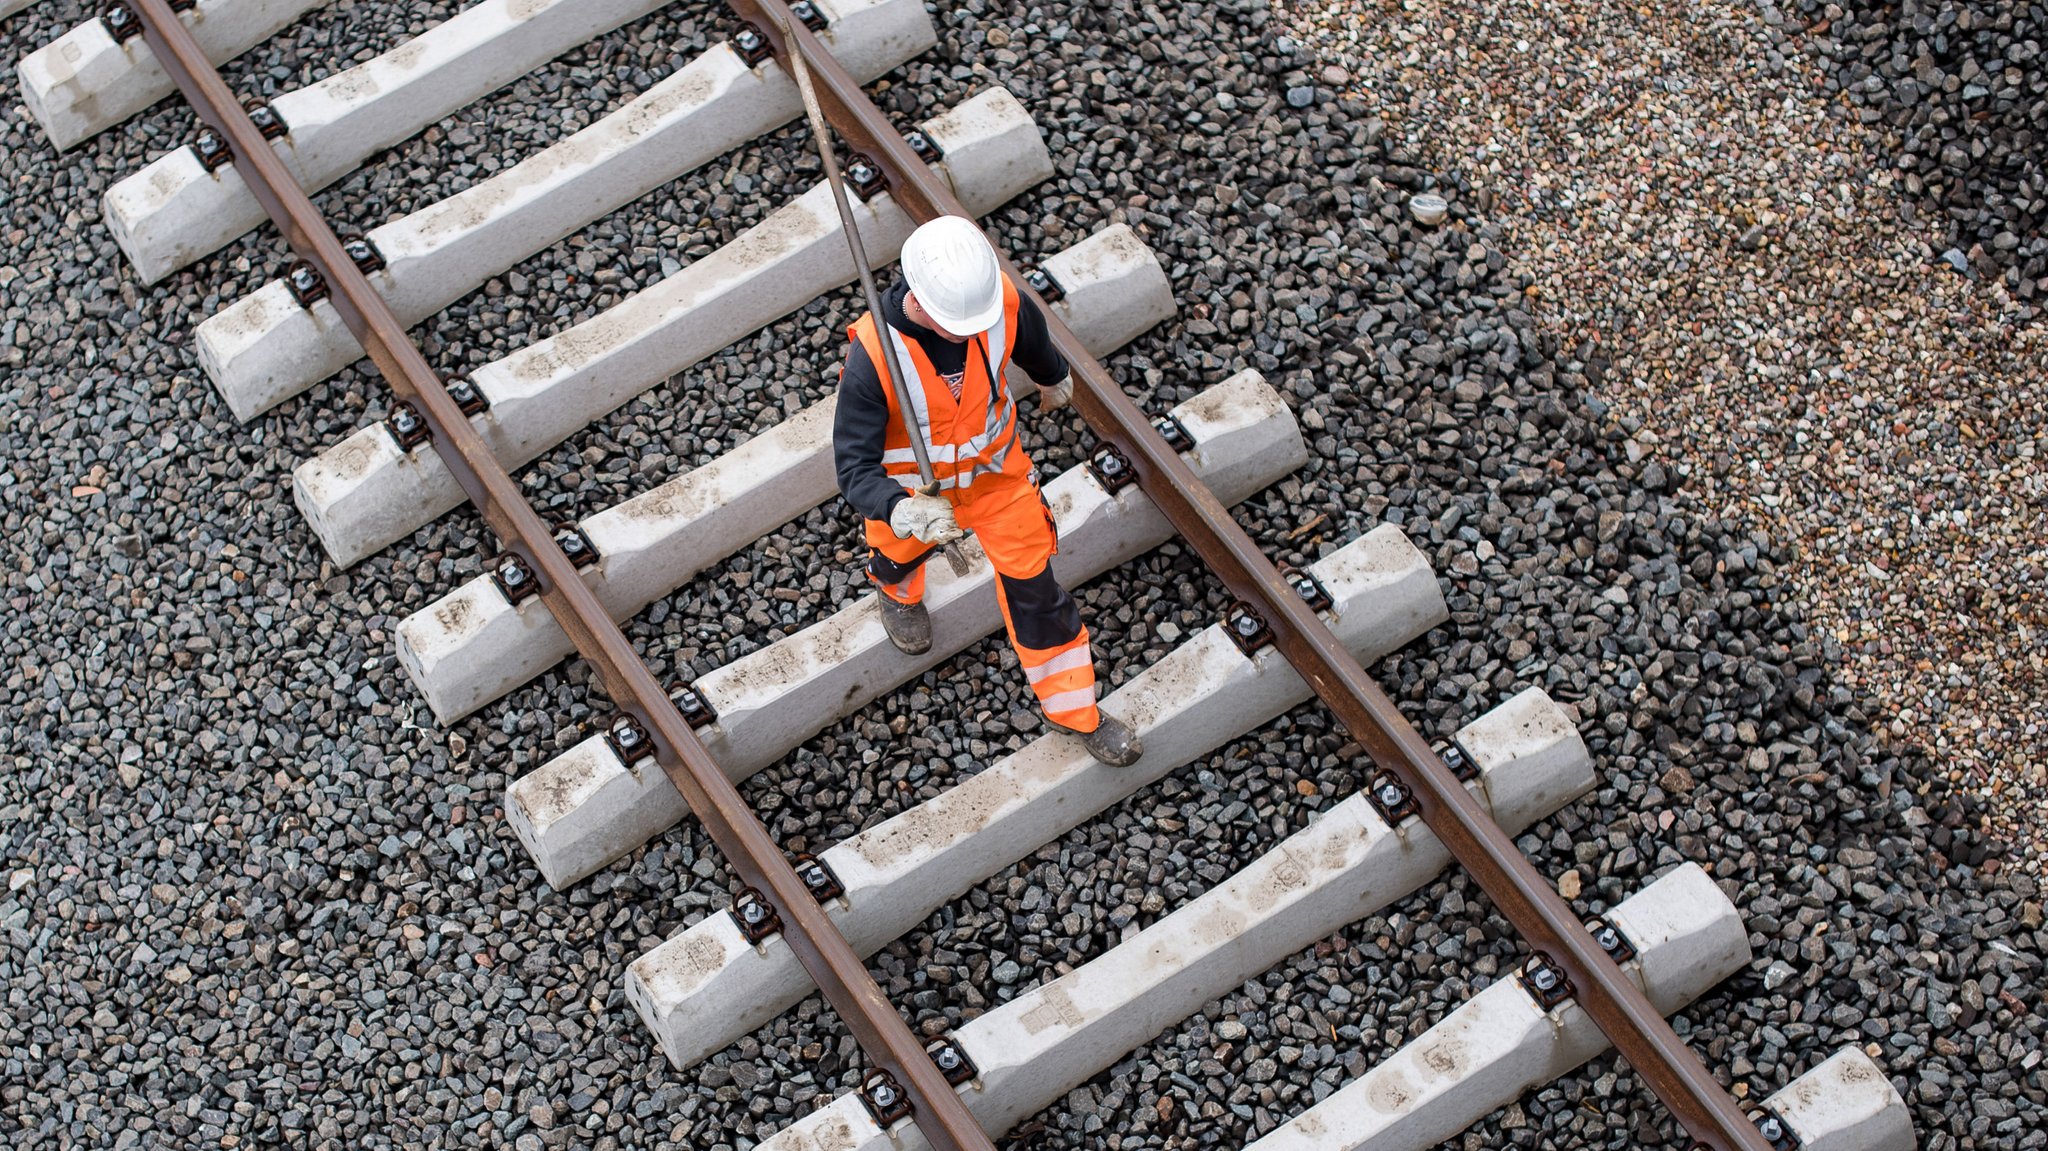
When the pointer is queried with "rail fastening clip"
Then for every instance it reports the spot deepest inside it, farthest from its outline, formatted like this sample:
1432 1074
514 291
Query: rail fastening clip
407 427
576 545
756 918
1391 798
466 394
1112 468
695 709
213 152
267 121
514 578
1246 627
951 1060
305 283
818 877
627 739
884 1098
1545 981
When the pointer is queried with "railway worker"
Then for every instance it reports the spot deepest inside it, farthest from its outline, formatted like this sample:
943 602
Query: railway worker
956 322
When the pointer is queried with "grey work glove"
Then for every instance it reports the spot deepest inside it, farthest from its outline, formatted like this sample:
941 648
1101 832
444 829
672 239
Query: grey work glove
928 518
1053 397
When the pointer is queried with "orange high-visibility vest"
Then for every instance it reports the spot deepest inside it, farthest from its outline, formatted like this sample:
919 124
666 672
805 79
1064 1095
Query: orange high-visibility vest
967 439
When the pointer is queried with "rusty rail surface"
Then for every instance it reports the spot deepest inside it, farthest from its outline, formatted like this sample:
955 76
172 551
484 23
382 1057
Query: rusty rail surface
1529 902
831 962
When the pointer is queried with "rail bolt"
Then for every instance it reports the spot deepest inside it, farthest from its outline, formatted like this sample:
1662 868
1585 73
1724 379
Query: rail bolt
1459 761
1391 798
1175 433
1111 468
121 23
1246 628
407 427
305 283
818 878
1544 981
466 395
1308 587
695 709
628 740
576 545
883 1097
757 920
365 254
1775 1131
926 148
213 152
864 176
751 45
951 1061
808 12
514 579
1610 939
268 122
1039 280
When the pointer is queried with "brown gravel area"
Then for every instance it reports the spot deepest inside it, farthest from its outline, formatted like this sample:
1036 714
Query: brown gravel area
1694 210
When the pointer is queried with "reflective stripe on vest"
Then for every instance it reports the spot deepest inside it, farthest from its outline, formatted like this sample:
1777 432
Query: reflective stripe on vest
974 443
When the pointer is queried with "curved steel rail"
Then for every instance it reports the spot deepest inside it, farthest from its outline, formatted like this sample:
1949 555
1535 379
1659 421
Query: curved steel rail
754 857
1529 902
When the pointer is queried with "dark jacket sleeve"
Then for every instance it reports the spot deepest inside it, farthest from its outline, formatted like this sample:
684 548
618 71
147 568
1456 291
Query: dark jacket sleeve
1033 351
858 428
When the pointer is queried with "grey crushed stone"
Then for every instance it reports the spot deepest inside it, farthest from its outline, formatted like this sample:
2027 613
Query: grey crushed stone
304 921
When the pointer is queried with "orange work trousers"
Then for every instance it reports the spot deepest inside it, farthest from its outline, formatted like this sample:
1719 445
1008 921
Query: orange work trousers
1009 518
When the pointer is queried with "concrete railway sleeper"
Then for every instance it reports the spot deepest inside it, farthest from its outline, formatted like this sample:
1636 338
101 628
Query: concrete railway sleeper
1586 985
98 74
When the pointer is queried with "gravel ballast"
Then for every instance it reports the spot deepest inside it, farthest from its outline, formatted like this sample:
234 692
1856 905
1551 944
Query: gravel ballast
256 896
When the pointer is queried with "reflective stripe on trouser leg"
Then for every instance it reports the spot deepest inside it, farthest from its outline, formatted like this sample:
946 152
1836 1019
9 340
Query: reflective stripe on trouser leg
1009 517
1052 645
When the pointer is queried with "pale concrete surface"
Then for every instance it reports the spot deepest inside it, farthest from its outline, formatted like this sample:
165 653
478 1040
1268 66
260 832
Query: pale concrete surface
265 348
472 646
366 492
584 809
705 987
1845 1104
174 211
83 83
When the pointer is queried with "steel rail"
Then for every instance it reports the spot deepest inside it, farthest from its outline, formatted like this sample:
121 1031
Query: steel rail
757 860
1531 904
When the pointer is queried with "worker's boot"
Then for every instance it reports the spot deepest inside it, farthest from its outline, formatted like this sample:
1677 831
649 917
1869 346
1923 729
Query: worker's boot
1113 742
909 625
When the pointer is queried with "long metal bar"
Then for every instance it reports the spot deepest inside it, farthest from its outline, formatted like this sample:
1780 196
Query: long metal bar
1529 902
891 367
732 825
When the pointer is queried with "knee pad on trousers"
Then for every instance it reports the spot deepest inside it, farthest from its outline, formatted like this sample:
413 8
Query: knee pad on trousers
890 571
1041 612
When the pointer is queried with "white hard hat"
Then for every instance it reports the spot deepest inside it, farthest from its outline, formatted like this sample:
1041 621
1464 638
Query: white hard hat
952 268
